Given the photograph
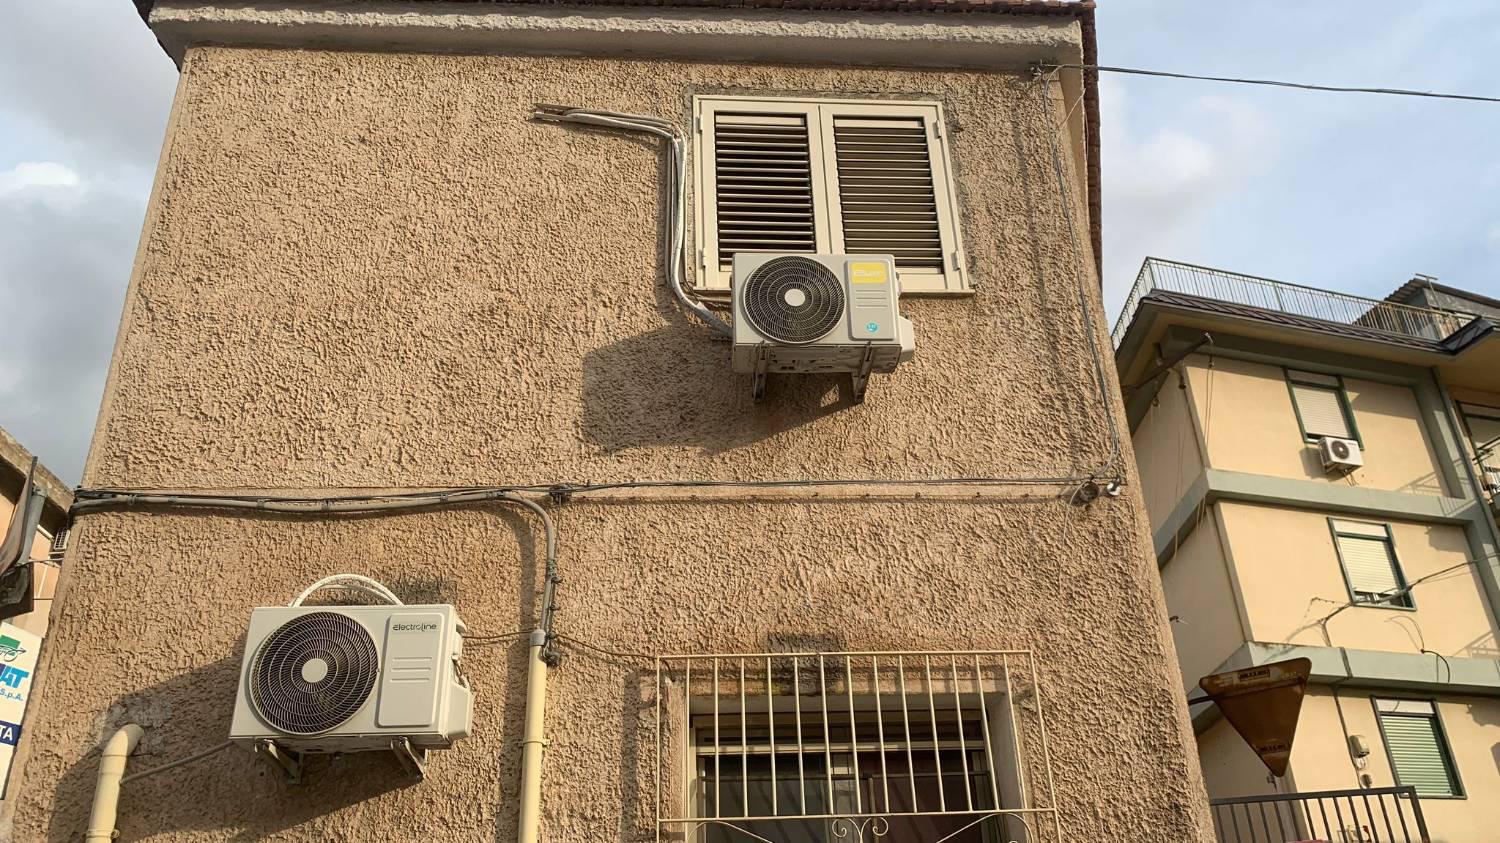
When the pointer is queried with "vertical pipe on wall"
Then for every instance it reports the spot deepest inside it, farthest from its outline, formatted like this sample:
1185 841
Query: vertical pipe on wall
528 823
107 790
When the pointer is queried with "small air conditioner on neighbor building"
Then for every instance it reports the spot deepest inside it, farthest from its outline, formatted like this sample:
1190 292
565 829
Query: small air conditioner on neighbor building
352 678
1341 454
817 313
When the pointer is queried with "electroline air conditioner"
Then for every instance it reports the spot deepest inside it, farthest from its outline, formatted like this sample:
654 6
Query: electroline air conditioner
320 679
1340 454
817 313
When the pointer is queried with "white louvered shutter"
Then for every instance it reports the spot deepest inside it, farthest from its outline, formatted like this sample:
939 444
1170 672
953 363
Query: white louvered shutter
1368 558
1319 405
887 199
1416 749
763 180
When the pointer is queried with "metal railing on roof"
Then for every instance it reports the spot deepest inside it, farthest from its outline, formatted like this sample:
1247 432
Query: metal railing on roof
1294 299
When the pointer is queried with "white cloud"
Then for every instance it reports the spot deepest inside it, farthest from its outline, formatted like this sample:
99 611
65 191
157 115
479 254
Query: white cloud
1492 237
1161 180
29 175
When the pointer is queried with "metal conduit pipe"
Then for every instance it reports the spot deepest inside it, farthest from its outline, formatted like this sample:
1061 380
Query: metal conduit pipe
107 790
534 739
675 238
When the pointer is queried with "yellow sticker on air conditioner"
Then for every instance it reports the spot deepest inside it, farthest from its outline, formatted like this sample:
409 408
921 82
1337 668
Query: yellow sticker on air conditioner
868 272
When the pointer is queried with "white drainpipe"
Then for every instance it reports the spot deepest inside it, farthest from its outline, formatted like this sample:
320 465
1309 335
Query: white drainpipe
107 791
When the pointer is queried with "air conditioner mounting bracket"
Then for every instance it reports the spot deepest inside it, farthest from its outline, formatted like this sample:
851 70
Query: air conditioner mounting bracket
286 762
414 760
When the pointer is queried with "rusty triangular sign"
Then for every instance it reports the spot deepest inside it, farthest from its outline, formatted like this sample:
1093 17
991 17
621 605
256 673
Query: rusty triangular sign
1262 704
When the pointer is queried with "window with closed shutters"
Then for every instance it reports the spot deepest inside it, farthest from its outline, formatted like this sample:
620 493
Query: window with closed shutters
826 176
1321 404
1418 749
763 179
1371 569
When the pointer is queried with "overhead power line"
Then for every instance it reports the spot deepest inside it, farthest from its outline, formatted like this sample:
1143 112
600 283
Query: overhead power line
1400 92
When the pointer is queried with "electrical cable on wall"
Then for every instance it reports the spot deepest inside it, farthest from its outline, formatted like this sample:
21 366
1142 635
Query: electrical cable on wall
1338 89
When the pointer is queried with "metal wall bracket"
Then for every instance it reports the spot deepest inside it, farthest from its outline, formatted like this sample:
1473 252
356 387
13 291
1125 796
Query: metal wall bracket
286 762
862 377
762 365
413 760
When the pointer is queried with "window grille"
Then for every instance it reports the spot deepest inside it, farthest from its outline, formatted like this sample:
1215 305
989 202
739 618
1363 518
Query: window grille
826 176
1321 404
1371 568
928 747
1417 747
1483 426
59 546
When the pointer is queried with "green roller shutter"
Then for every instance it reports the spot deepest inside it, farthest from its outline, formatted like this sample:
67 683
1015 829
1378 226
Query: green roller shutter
1418 755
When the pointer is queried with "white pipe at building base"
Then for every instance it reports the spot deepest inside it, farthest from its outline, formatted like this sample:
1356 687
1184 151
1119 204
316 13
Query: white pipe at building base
107 791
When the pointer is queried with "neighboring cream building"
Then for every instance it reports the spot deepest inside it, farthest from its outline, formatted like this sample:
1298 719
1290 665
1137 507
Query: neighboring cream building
368 268
1386 575
37 514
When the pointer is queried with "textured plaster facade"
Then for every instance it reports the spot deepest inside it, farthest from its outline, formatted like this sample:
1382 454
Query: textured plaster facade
372 270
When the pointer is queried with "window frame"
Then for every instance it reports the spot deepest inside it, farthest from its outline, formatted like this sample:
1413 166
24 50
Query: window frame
1341 391
1445 747
1396 566
819 112
1466 411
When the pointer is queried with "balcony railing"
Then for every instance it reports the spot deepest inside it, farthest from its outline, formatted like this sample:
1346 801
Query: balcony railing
1295 299
1384 814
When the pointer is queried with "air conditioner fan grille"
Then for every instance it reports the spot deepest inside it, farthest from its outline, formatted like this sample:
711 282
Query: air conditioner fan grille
313 673
793 300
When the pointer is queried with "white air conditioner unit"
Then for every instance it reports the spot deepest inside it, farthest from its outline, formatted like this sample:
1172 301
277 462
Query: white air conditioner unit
1340 453
818 313
353 678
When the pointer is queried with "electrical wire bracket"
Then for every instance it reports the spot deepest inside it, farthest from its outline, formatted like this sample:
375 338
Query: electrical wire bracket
286 762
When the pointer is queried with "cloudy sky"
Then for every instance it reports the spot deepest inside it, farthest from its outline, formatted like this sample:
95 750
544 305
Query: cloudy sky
1351 192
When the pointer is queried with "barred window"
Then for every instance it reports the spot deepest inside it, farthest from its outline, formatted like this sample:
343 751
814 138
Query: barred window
834 747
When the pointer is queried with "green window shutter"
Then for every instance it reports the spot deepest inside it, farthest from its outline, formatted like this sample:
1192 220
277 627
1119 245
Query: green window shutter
1321 410
1418 755
1369 560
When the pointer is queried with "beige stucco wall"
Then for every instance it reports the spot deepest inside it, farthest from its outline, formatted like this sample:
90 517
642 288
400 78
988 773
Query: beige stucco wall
1168 448
1200 594
374 270
1320 757
1230 767
1251 426
1290 575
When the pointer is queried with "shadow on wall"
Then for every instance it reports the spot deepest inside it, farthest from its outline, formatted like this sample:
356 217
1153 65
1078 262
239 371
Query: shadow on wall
222 791
674 387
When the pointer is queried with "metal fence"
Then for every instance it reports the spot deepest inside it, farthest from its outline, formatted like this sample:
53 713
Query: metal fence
1373 815
1295 299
